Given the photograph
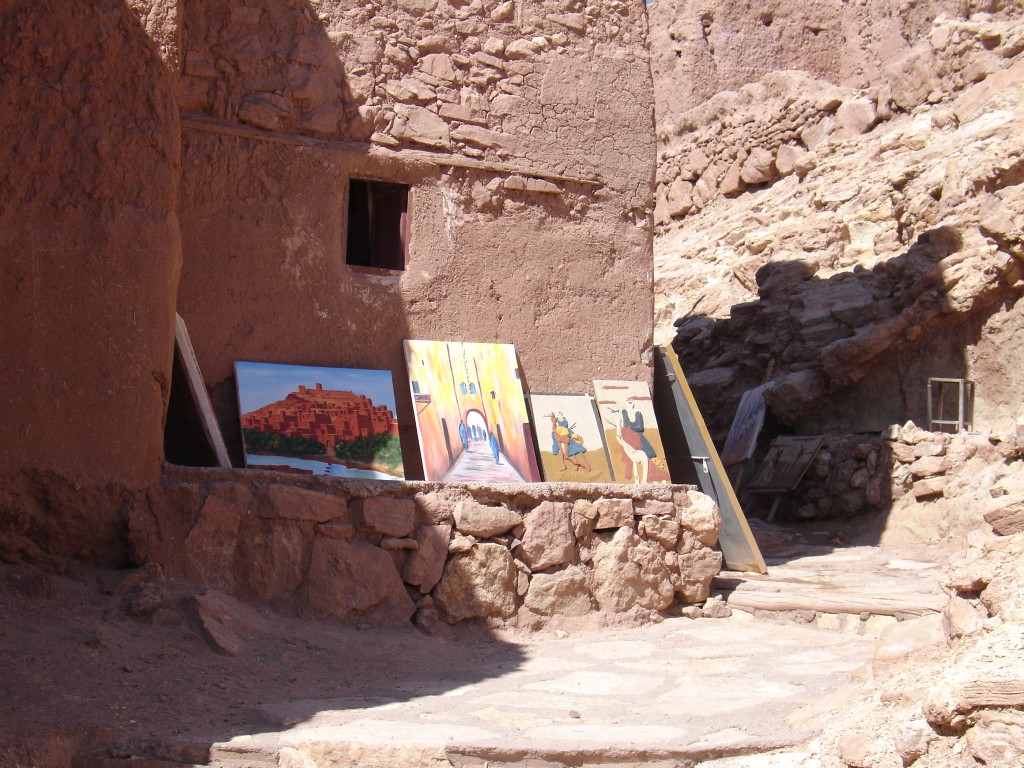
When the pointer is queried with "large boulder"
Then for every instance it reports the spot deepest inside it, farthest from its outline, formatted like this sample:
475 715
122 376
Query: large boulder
698 564
698 514
478 583
548 538
355 581
288 503
475 519
565 593
389 516
629 571
424 567
210 545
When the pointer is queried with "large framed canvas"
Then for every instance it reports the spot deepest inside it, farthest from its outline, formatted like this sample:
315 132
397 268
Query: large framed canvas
631 431
322 421
570 437
471 413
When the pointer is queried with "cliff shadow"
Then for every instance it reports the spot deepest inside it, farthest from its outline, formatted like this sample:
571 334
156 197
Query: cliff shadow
848 357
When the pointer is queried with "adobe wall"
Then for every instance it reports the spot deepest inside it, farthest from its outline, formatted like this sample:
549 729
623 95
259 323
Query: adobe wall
89 247
385 553
525 131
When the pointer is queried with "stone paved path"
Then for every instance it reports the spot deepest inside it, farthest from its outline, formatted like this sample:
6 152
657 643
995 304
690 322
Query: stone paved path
644 696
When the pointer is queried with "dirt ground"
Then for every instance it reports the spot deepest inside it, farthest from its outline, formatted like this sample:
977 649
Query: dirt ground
94 666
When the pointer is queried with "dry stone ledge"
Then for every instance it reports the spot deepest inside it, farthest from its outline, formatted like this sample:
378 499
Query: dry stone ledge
384 553
482 521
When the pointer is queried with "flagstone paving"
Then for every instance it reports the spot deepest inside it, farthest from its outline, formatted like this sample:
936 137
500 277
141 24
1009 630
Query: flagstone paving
682 689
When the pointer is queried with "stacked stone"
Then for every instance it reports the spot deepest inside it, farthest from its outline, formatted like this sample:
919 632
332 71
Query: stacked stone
849 476
378 553
779 126
925 464
489 80
561 558
867 473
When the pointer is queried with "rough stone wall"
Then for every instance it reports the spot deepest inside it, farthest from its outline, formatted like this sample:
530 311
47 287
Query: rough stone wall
380 553
905 467
763 132
701 48
525 131
89 246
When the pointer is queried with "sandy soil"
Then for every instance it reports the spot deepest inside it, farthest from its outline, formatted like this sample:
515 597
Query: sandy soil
113 663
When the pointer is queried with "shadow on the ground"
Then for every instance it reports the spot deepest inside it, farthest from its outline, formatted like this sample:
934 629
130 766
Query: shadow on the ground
84 681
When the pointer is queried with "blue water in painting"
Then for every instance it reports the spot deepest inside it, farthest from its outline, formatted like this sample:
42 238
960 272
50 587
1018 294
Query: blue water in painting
317 467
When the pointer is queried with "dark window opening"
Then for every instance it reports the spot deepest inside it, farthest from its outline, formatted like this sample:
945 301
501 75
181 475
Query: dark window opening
378 224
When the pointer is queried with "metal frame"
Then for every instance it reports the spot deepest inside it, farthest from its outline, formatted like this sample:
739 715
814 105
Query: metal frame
964 400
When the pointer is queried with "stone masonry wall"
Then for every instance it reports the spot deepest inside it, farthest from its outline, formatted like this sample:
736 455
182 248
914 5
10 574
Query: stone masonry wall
382 553
903 466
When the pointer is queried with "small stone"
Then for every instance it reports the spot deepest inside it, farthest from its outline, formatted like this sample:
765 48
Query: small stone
855 750
460 544
912 739
715 608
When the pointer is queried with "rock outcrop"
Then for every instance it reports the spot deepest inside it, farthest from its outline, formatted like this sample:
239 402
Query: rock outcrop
880 247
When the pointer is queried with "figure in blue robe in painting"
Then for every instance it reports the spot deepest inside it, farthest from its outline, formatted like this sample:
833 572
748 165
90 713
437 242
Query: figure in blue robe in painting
464 435
567 444
633 429
493 442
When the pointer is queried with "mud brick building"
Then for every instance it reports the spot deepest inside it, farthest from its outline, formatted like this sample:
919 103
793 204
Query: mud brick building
304 182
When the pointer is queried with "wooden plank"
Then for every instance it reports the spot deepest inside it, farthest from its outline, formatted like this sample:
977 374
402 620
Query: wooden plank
364 149
197 387
833 601
737 543
990 693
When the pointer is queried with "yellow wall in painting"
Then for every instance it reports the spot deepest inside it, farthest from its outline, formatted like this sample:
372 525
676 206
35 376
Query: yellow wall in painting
439 369
429 366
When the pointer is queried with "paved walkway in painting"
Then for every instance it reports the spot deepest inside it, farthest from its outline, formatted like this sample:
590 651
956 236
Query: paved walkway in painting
477 465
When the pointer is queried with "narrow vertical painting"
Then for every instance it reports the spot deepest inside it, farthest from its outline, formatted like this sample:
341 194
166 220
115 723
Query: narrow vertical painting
471 414
631 430
570 438
338 422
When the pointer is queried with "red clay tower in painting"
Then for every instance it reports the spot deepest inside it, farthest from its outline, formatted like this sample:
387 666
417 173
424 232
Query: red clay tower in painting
325 415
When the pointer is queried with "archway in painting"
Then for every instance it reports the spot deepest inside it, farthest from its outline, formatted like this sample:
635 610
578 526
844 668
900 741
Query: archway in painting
477 425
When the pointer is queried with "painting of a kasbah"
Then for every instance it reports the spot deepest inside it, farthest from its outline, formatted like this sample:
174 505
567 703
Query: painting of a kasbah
631 430
338 422
471 414
570 438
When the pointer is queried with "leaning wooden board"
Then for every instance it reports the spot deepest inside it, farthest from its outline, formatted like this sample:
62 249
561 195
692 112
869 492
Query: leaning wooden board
738 547
197 388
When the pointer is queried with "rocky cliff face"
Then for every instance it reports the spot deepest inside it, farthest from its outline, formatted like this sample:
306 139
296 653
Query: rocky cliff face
852 241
